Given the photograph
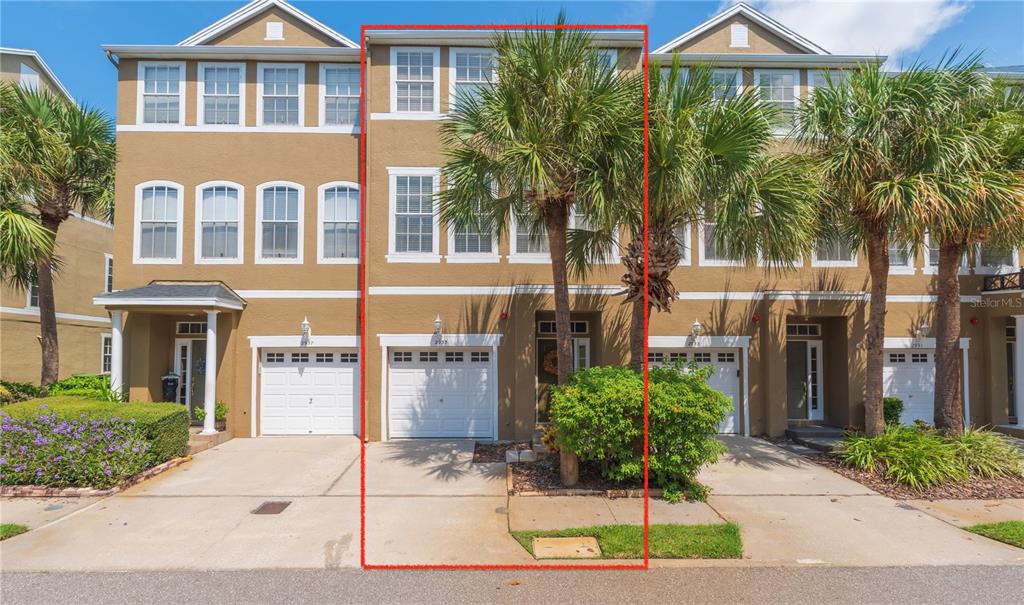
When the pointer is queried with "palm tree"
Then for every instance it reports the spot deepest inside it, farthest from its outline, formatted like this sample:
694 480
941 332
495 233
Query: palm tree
710 159
864 134
972 145
533 146
58 158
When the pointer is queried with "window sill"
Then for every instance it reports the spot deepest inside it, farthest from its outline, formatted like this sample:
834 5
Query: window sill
408 115
722 263
472 258
156 261
529 259
337 261
238 129
278 261
218 261
902 270
395 257
838 264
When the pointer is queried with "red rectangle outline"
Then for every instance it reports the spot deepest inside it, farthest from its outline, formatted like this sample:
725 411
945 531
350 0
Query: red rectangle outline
364 297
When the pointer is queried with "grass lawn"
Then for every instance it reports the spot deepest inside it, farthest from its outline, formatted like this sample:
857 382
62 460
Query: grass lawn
9 530
1011 532
719 541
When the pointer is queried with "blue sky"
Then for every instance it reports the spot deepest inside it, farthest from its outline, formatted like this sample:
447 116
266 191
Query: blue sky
69 34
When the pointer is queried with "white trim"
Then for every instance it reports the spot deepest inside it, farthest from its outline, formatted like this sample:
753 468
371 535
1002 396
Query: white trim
321 87
686 258
295 341
906 342
254 8
140 89
137 225
393 78
166 302
526 258
34 312
782 130
452 52
25 52
283 294
253 381
760 18
909 268
320 192
412 257
613 57
240 129
701 261
103 338
200 91
89 219
967 385
108 269
739 28
239 244
980 269
260 67
832 263
402 115
275 27
451 340
490 290
929 269
210 376
116 351
258 243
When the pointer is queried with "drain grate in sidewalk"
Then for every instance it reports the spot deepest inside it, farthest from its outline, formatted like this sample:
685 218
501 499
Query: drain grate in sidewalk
271 508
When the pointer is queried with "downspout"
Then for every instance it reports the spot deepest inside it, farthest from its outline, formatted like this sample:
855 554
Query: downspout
110 57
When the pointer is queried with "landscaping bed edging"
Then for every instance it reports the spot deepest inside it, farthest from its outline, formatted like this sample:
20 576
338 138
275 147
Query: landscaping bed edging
570 491
43 491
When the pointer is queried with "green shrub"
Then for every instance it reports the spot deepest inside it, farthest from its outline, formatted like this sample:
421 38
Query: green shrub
95 386
915 458
164 426
892 409
220 412
598 415
46 449
13 392
987 454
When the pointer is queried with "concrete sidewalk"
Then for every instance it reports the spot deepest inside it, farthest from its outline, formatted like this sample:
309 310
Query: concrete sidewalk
964 513
794 512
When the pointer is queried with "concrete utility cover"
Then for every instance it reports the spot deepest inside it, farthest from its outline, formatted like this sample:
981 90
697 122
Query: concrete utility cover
566 548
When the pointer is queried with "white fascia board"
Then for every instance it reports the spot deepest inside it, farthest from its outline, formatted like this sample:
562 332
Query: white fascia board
247 294
34 312
451 340
296 341
485 37
900 342
768 60
698 342
120 301
236 53
251 10
757 17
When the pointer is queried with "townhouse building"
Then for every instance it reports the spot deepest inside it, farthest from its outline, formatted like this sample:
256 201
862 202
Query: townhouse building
238 218
84 246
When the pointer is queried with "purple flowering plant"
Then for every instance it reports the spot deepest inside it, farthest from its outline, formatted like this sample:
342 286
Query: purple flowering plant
47 450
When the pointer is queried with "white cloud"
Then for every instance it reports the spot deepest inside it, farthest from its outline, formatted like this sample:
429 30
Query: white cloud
641 11
892 28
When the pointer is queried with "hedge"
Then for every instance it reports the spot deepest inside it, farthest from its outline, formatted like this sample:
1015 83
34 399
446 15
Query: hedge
93 386
164 426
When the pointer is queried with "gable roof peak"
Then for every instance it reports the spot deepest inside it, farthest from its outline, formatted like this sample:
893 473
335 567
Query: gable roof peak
742 8
254 8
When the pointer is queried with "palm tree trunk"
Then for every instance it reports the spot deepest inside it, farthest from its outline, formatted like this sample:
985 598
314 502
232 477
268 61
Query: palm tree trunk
636 335
949 415
878 266
557 221
48 313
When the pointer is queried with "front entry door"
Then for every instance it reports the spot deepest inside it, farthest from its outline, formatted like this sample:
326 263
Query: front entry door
197 377
803 380
547 375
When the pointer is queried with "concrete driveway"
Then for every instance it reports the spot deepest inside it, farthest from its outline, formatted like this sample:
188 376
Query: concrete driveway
198 515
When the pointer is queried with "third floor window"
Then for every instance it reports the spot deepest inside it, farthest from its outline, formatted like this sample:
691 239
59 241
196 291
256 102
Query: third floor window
415 80
281 94
222 93
779 88
474 69
340 95
162 88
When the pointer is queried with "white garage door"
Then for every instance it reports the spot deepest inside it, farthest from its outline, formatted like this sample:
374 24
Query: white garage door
308 391
725 377
440 393
910 375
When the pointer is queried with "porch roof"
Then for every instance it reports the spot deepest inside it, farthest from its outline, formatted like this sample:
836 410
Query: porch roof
206 295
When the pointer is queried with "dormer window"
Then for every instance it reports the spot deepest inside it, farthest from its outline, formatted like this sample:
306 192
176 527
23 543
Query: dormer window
738 36
275 30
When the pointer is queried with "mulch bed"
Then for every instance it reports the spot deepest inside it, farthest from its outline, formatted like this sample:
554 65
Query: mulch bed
975 489
495 452
542 475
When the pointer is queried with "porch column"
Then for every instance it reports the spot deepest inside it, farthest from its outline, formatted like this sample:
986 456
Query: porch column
210 397
1018 369
116 352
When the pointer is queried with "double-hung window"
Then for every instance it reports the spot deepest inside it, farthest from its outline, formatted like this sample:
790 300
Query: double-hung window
833 252
339 90
106 354
415 76
608 59
712 253
725 83
472 70
779 88
931 260
162 89
901 259
219 215
280 94
158 216
108 272
279 222
32 295
338 239
413 222
682 234
995 259
222 93
529 242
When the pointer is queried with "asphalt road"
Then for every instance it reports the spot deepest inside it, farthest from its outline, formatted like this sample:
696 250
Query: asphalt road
974 585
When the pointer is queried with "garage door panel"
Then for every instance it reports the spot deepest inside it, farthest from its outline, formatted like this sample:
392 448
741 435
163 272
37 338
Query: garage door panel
449 397
303 393
910 376
724 377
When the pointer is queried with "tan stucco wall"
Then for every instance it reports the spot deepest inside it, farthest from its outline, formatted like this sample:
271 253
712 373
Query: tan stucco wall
10 70
759 40
253 32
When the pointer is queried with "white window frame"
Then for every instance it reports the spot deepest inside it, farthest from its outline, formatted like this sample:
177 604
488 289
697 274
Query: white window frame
321 192
141 91
137 225
737 77
928 269
108 272
705 262
832 263
796 93
28 78
411 257
686 256
471 257
258 235
393 82
529 258
909 268
260 68
200 92
980 269
322 100
611 259
613 57
239 258
28 295
813 75
452 52
104 337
